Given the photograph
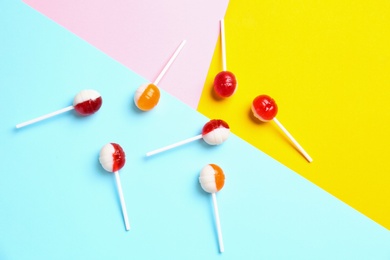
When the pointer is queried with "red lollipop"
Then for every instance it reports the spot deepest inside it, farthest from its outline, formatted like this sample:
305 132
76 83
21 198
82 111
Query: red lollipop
86 103
214 132
113 158
225 83
265 109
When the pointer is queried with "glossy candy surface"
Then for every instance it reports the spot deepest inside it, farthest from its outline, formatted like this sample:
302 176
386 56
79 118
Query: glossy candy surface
112 157
212 178
264 108
147 96
225 84
87 102
215 132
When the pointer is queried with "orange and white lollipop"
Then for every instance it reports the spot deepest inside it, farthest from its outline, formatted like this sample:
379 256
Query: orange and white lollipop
212 180
113 158
147 95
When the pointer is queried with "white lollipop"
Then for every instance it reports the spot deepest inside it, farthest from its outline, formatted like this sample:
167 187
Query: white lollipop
212 180
112 158
86 103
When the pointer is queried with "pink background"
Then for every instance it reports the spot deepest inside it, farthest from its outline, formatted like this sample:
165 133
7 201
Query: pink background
142 35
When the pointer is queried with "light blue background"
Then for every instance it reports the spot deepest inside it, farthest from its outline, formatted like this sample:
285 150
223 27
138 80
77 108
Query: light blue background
56 202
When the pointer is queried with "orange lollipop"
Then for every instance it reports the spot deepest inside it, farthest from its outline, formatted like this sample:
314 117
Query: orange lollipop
147 95
212 180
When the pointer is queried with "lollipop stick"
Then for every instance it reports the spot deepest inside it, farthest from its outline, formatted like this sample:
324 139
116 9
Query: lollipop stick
217 222
171 60
32 121
299 147
223 44
174 145
122 200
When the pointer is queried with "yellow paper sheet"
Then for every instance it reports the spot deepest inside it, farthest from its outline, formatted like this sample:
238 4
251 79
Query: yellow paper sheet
327 65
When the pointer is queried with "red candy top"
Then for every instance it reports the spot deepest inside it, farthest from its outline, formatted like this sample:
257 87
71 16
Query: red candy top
225 84
118 157
88 107
214 124
264 108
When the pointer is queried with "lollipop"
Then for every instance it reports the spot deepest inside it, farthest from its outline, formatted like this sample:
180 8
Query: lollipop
214 132
86 103
265 109
112 158
225 83
147 95
212 180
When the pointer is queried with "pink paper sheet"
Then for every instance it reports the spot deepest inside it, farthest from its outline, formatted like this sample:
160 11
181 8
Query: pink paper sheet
143 35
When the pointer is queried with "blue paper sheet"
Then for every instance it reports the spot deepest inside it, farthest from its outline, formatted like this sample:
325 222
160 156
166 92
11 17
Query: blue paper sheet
57 202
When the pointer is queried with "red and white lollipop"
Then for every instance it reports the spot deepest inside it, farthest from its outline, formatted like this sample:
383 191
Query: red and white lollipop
265 109
225 83
112 158
212 180
147 95
214 132
86 103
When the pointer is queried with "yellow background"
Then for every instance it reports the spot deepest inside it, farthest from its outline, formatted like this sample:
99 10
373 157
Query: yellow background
327 65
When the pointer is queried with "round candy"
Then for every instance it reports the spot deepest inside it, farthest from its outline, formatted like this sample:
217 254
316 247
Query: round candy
225 84
87 102
215 132
264 108
147 96
212 178
112 157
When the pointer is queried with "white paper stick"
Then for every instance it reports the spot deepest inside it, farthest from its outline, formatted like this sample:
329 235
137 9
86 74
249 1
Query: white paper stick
44 117
223 45
174 145
122 200
297 145
218 223
171 60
